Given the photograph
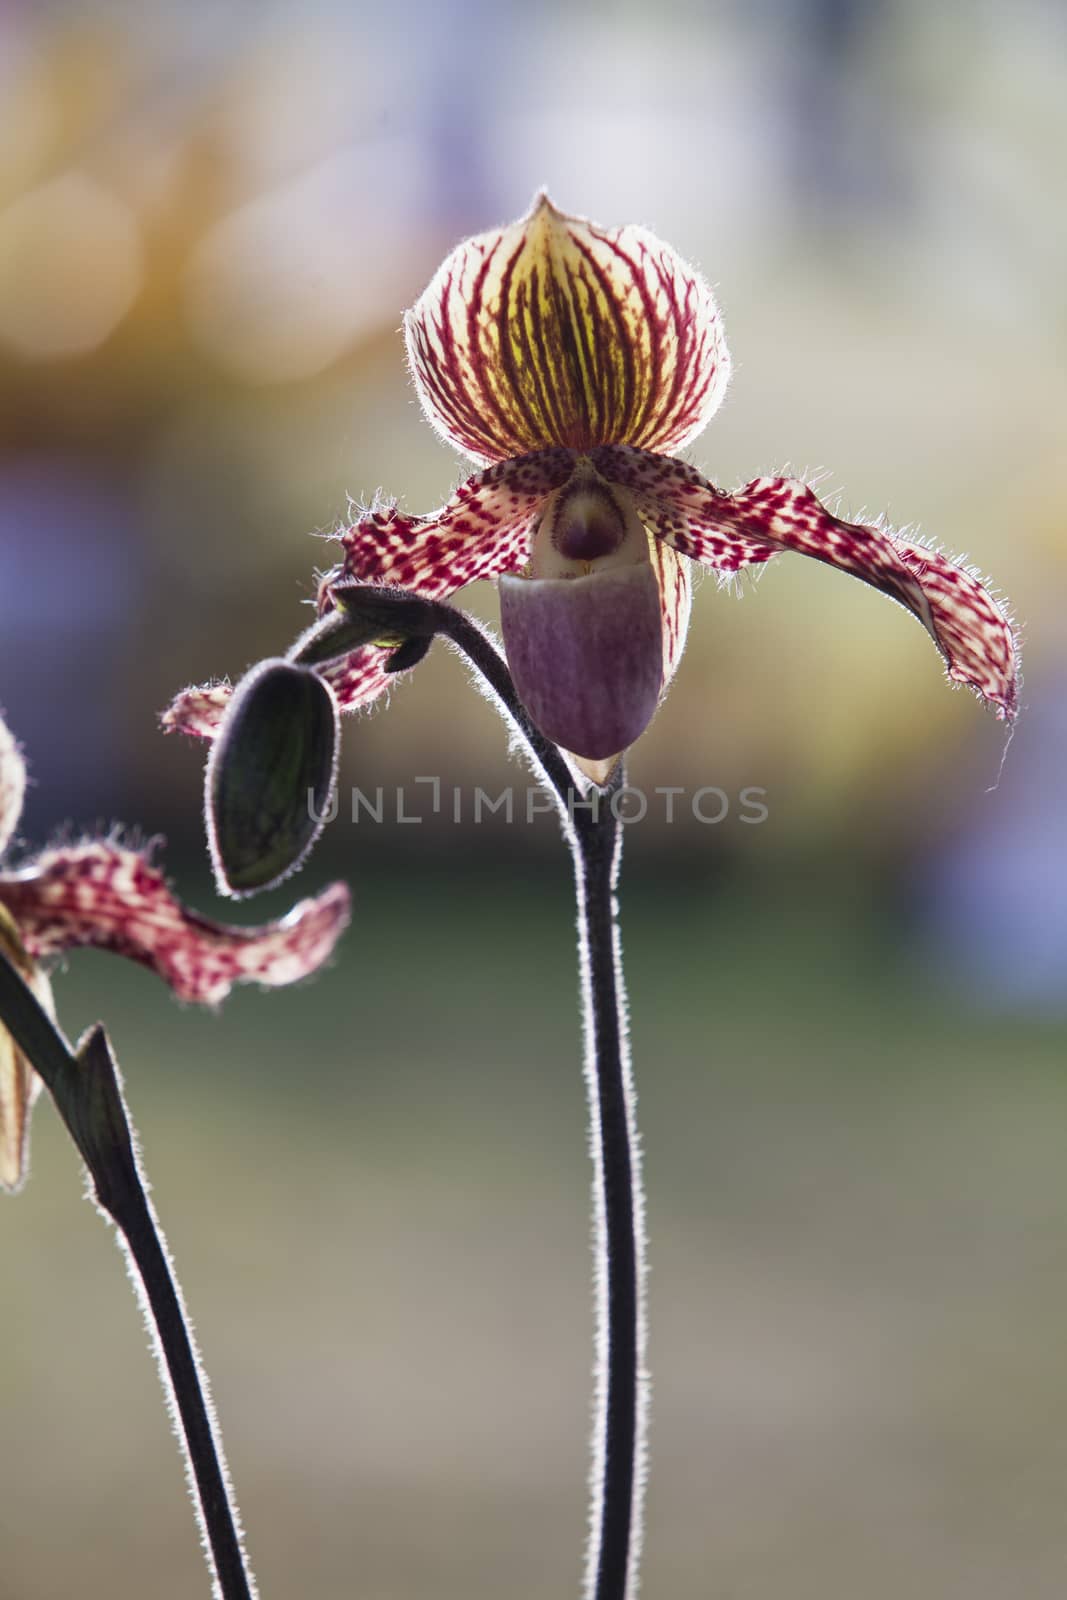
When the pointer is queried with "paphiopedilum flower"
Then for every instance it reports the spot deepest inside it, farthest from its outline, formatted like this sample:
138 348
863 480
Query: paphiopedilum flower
571 363
101 892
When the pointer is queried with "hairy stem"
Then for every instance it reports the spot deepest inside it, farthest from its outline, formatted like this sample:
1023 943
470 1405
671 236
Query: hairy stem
551 767
617 1477
87 1090
594 832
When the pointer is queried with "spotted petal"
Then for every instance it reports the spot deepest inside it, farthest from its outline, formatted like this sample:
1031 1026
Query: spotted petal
967 624
12 785
553 331
356 681
672 501
102 894
484 529
197 711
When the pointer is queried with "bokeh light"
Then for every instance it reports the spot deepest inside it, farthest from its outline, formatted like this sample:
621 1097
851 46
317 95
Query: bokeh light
70 267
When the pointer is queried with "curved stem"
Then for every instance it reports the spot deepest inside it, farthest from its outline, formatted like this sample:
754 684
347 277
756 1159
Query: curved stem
364 613
476 644
618 1469
87 1090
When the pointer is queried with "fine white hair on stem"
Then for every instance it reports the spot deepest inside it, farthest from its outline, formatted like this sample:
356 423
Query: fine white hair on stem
171 1399
153 1327
593 829
519 744
598 1464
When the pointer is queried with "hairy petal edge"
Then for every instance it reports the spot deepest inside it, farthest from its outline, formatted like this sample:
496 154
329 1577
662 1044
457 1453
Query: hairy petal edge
966 622
554 331
103 894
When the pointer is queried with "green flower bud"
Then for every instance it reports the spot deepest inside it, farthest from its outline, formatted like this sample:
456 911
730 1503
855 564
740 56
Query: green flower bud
271 776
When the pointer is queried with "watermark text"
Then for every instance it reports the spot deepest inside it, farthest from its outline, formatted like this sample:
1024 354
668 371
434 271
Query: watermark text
427 798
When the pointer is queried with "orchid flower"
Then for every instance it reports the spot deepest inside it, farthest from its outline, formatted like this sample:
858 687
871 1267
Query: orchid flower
100 892
571 363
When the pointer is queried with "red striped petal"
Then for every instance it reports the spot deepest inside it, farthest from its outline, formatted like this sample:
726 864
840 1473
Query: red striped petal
553 331
966 622
102 894
12 785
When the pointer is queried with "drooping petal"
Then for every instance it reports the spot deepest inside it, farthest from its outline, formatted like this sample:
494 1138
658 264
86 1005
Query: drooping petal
103 894
197 711
357 680
360 678
965 621
483 530
554 331
12 785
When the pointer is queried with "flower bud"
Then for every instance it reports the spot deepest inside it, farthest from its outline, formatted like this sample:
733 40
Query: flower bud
271 776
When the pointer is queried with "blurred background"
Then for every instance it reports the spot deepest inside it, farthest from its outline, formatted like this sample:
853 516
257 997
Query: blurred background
849 1020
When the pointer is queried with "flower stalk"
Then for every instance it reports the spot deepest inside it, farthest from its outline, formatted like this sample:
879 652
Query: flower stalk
87 1090
594 833
618 1468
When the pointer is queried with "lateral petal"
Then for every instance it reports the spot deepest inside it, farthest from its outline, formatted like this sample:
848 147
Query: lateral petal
484 529
103 894
554 331
197 711
672 501
356 681
969 626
